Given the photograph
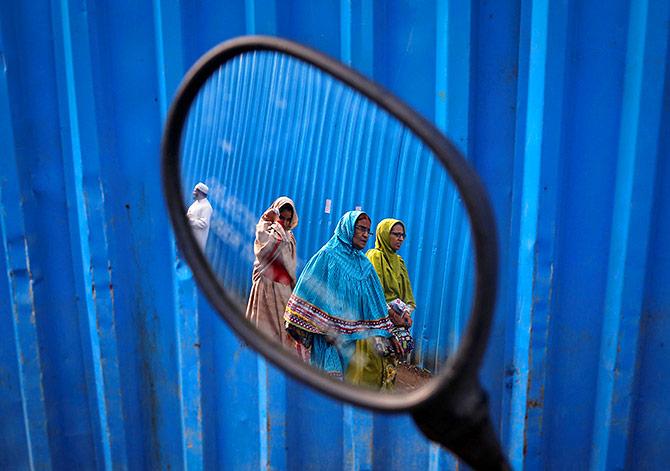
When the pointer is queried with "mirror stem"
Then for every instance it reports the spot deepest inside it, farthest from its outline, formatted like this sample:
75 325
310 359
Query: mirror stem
459 420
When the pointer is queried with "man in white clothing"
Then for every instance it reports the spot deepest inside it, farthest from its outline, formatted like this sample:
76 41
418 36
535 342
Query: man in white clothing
199 214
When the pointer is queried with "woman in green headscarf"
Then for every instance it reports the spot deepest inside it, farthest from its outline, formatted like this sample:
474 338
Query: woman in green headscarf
367 367
392 272
388 264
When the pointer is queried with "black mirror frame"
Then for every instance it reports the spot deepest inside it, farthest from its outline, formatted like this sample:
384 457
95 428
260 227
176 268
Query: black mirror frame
447 395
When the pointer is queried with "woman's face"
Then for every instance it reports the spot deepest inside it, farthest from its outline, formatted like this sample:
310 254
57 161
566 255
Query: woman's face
361 232
397 236
285 217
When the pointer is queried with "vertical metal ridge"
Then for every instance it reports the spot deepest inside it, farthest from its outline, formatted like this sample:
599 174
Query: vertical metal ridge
218 189
541 154
19 305
250 16
511 252
265 16
94 200
647 46
368 37
345 31
185 316
241 272
453 61
295 98
263 424
315 212
79 225
548 196
260 62
342 195
358 438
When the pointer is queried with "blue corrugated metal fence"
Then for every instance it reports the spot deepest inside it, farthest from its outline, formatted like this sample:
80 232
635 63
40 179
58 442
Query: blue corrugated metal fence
111 358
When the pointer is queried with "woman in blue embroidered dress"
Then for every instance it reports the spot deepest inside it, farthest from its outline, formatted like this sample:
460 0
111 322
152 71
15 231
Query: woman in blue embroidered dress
338 304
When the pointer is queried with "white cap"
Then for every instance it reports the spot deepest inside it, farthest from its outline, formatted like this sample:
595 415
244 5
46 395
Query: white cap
202 187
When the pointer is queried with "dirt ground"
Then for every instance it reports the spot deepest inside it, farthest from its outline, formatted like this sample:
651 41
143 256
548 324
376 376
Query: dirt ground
410 377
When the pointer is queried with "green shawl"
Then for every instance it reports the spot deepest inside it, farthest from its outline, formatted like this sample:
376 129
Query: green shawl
390 266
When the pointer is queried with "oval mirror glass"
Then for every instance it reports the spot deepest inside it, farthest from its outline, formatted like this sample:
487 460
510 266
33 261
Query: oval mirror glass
337 232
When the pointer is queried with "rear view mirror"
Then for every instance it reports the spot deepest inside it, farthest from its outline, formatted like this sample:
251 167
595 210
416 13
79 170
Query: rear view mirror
338 233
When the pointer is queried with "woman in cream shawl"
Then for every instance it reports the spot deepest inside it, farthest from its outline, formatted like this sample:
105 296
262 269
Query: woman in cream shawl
274 270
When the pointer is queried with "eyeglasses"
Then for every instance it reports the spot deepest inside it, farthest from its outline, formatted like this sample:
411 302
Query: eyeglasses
399 235
363 230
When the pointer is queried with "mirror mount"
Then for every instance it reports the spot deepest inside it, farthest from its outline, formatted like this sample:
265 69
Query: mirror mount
458 418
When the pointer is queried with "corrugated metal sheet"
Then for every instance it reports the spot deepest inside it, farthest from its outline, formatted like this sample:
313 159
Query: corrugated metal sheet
267 124
110 357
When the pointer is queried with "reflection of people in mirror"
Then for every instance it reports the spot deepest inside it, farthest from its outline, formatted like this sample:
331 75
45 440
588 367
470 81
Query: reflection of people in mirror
199 214
392 272
340 302
274 274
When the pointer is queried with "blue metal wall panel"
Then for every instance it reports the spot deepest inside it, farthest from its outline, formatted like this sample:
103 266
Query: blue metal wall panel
649 409
38 158
24 425
585 190
110 357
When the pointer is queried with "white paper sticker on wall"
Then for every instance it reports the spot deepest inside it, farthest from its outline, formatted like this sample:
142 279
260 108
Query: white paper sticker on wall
359 208
327 208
